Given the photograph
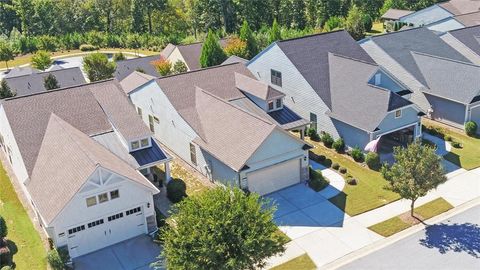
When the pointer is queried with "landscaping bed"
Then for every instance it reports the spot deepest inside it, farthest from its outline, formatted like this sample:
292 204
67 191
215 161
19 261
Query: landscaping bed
194 185
317 180
399 223
301 262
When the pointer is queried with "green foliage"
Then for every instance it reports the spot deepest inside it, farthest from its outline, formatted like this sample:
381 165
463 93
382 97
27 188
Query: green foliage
317 180
274 34
212 53
247 37
333 23
209 231
3 228
367 22
373 161
47 43
354 23
471 128
179 67
50 82
238 47
119 57
41 60
57 258
357 154
88 48
327 140
97 67
163 66
335 166
342 170
176 190
312 133
5 90
6 52
339 145
417 170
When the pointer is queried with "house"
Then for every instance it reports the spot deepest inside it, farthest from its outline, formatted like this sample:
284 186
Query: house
393 14
83 159
466 41
444 82
26 81
141 64
234 59
339 88
226 125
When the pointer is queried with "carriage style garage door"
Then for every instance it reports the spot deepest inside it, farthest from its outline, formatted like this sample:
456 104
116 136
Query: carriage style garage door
106 231
275 177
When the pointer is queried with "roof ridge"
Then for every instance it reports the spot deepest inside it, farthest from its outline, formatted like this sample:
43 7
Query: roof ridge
466 27
444 58
397 32
354 59
140 57
59 89
197 70
309 36
62 68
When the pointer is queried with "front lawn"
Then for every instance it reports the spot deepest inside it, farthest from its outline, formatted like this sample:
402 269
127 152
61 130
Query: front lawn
466 157
368 194
24 241
194 185
399 223
301 262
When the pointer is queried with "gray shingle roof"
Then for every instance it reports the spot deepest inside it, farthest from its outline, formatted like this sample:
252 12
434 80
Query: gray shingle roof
234 59
135 80
399 46
356 102
458 7
32 83
469 19
191 53
454 80
21 71
395 14
310 56
126 67
256 88
469 36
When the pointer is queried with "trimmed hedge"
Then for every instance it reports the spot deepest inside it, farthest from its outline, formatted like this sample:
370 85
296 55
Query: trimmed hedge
176 190
357 154
471 128
88 48
339 145
312 133
373 161
327 140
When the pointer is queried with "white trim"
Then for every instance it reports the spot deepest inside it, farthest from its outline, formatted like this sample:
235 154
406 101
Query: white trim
393 130
401 113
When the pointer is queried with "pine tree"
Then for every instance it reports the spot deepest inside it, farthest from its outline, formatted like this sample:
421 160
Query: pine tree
212 52
274 33
50 82
247 37
5 91
138 19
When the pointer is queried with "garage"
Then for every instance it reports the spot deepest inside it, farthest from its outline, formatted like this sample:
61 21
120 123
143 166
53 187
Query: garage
275 177
103 232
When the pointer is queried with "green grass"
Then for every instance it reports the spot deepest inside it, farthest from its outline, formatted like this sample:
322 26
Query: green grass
368 194
283 237
396 224
377 29
301 262
194 185
26 244
466 157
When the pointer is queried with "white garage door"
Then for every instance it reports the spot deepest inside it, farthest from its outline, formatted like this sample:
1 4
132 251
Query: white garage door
106 231
275 177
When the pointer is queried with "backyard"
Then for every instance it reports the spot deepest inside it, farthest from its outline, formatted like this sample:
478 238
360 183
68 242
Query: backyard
467 156
23 240
367 194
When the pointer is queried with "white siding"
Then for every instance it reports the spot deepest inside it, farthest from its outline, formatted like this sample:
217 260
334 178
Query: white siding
300 96
427 15
461 48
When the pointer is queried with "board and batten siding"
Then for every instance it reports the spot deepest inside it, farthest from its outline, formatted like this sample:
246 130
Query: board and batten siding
300 96
461 48
447 111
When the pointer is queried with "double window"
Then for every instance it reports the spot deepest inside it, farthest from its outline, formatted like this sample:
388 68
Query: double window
193 154
143 143
101 198
276 77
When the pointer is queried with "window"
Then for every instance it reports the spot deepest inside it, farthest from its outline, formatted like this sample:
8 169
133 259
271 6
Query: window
139 111
156 119
116 216
103 198
151 124
270 105
378 79
95 223
76 229
276 77
313 121
61 234
135 145
144 142
193 154
133 211
279 103
114 194
398 113
91 201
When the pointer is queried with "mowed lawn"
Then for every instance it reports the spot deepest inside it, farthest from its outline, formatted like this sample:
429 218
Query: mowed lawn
24 241
368 194
302 262
468 156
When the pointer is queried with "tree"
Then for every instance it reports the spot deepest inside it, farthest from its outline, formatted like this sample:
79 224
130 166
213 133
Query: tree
3 228
417 170
212 53
179 67
274 33
163 66
238 47
138 21
247 37
6 53
50 82
25 11
5 91
119 57
41 60
354 23
222 228
98 67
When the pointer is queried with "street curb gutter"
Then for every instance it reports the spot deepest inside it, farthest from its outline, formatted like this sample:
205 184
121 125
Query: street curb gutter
399 236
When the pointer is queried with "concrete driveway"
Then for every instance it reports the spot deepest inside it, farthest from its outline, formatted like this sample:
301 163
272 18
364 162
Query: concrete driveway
133 254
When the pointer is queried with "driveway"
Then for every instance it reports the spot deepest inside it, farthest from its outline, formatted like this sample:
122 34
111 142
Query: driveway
451 244
133 254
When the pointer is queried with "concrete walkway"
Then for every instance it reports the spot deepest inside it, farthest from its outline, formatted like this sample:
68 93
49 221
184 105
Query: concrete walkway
337 182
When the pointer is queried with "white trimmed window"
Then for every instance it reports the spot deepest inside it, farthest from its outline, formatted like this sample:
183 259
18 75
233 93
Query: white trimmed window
91 201
103 198
135 145
144 142
114 194
398 113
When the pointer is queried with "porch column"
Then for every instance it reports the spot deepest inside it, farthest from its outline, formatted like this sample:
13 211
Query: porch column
167 172
302 133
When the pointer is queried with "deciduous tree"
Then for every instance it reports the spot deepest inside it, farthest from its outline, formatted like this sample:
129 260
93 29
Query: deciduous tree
98 67
163 66
42 60
6 53
238 47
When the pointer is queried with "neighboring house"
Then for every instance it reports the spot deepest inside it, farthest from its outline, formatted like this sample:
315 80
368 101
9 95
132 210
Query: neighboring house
466 41
27 81
443 81
225 124
141 64
393 14
78 154
189 54
234 59
329 79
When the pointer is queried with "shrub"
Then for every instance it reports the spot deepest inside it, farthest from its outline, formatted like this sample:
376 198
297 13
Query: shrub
41 60
3 228
342 170
335 166
357 154
317 180
179 67
373 161
57 258
163 66
327 140
176 190
47 43
321 158
352 181
448 138
88 48
339 145
97 67
236 46
119 57
471 128
161 219
456 144
312 133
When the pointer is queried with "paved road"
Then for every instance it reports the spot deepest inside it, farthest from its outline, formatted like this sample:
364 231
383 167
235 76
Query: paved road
451 244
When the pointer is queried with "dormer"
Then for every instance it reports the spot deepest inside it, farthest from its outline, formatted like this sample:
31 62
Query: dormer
382 79
262 94
139 144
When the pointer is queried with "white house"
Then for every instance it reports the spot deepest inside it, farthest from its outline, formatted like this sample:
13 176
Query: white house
208 119
78 154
